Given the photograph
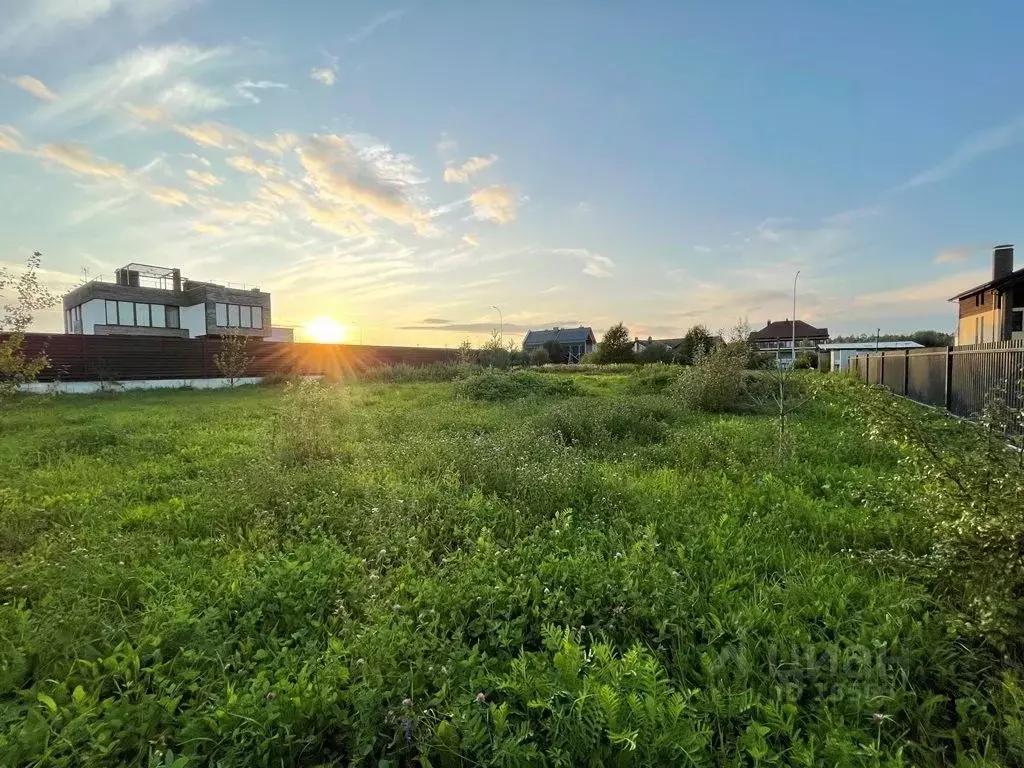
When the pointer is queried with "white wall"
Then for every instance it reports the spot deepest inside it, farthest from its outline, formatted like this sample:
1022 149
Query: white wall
194 319
94 312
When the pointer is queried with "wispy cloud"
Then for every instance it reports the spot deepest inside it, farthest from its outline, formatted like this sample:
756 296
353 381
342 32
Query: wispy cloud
79 159
594 264
324 75
461 173
370 178
909 299
34 86
246 164
144 76
497 203
470 240
365 31
973 148
204 179
30 24
9 139
168 196
957 254
246 87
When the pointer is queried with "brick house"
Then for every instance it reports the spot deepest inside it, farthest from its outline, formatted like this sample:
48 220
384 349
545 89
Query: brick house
777 339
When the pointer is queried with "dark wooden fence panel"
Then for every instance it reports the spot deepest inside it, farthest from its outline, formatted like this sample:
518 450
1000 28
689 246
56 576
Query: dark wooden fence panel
926 376
124 358
957 378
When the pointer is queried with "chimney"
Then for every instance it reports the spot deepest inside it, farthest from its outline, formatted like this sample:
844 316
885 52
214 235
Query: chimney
1002 261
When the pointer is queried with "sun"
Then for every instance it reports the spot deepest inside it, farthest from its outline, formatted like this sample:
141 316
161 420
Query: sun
326 330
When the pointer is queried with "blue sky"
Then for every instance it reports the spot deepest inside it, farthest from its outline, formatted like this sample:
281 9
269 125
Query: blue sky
405 167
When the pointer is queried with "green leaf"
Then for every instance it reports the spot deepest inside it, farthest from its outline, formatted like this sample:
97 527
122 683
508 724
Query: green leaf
50 703
78 694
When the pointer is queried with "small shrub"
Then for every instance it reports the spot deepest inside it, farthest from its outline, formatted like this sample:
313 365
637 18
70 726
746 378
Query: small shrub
654 378
713 384
233 360
495 386
304 428
540 357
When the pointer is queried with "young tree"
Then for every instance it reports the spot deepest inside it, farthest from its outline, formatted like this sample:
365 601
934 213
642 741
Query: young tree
555 352
30 296
540 356
234 359
615 346
698 342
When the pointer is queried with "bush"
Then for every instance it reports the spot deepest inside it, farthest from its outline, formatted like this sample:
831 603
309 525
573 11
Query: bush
494 386
656 353
593 424
540 357
654 378
713 384
403 372
304 427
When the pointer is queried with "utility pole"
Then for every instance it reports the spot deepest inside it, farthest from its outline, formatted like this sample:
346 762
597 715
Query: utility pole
792 361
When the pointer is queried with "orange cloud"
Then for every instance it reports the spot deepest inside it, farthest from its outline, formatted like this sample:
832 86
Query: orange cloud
461 173
79 159
33 86
496 204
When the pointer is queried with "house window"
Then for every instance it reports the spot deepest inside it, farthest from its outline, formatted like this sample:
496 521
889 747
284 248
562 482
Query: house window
979 299
245 317
111 312
142 315
232 315
999 301
171 314
1017 321
257 317
125 313
159 315
222 315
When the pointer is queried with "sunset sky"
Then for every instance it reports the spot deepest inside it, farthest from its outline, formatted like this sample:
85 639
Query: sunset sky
404 168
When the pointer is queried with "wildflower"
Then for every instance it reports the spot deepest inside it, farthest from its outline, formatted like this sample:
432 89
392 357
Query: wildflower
271 696
360 662
879 718
481 698
407 703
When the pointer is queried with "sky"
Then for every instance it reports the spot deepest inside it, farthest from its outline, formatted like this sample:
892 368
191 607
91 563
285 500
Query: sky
425 172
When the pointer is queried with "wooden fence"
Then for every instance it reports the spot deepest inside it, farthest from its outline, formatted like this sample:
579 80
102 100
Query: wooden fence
127 358
958 379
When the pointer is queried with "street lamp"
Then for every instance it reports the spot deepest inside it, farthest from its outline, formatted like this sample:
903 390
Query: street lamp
792 361
501 322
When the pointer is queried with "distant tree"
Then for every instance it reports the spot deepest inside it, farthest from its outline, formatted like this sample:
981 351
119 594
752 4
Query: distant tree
932 338
496 352
555 352
30 296
924 338
540 356
465 354
697 342
657 353
233 360
615 346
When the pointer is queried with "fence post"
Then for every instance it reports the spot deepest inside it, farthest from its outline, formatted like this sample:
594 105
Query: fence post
906 372
949 378
881 370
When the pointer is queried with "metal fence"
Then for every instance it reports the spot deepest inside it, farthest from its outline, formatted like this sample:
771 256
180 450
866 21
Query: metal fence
958 379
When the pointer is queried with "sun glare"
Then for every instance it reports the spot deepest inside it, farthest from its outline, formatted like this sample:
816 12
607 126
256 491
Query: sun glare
326 330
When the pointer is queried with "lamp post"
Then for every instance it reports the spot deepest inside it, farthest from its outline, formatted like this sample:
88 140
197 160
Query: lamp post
501 323
792 361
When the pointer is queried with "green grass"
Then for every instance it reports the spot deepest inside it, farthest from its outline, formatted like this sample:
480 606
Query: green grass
474 574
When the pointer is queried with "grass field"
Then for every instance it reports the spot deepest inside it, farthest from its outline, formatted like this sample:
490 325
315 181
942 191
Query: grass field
391 574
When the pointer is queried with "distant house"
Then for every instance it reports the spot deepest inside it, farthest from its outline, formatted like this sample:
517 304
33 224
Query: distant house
575 342
993 311
639 345
777 339
839 354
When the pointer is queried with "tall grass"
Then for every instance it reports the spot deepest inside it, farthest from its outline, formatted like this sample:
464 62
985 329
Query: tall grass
541 579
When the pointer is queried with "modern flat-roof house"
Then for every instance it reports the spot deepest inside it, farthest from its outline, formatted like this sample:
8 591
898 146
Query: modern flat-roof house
839 354
145 300
575 342
777 339
993 311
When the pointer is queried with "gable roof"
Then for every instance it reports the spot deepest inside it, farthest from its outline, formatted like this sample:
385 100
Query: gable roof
580 335
1010 279
783 329
670 343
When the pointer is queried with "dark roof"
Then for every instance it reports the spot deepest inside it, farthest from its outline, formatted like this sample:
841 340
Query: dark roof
670 343
783 329
1009 279
579 335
